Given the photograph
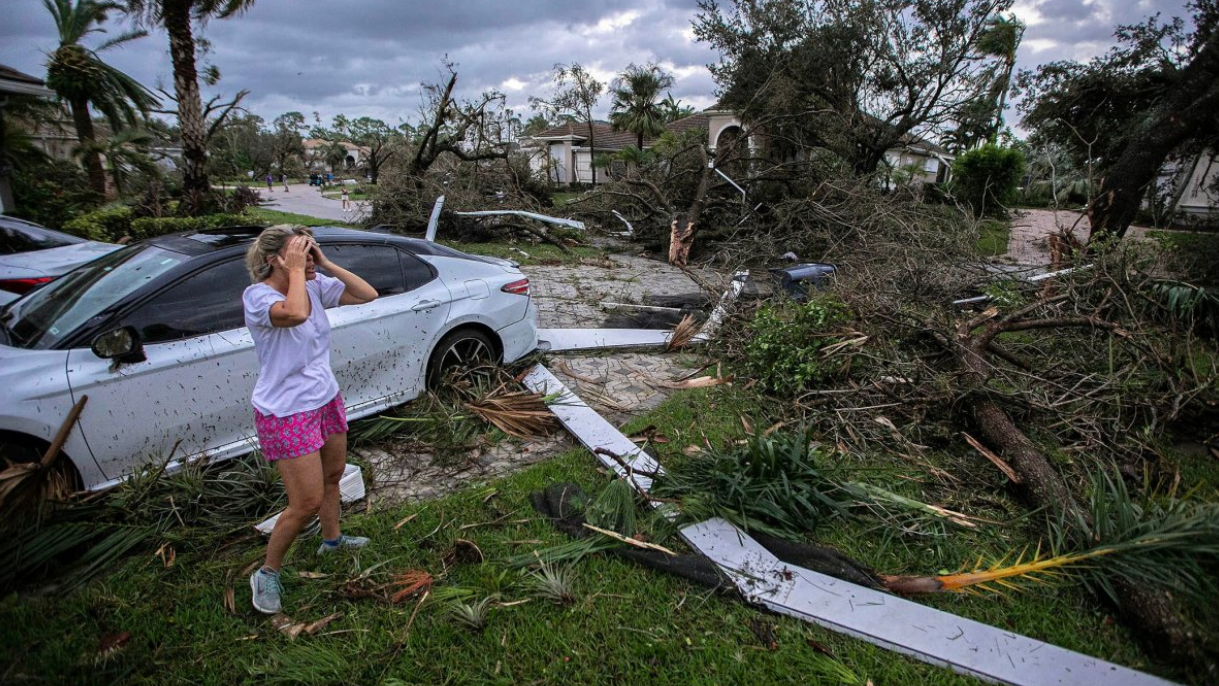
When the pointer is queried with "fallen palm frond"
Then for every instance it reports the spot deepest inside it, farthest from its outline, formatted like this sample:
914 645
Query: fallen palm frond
1173 545
773 484
517 413
683 333
25 487
569 551
615 507
633 542
869 493
987 577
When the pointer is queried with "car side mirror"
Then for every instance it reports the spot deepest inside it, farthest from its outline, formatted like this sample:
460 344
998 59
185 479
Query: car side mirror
120 345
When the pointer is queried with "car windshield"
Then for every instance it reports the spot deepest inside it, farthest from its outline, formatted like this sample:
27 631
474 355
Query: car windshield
48 314
19 238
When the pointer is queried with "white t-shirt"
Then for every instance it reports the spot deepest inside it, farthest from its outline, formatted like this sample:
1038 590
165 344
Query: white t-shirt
294 361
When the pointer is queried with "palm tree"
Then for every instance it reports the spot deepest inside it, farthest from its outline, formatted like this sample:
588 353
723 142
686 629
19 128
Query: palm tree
636 106
127 154
176 16
83 80
1001 39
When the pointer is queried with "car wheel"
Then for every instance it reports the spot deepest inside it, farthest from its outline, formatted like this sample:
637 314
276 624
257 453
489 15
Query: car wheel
458 350
18 450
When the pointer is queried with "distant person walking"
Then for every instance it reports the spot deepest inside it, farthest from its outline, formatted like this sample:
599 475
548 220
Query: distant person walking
298 410
346 200
270 182
284 179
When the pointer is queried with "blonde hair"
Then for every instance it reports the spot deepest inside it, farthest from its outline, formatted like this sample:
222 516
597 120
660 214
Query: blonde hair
268 243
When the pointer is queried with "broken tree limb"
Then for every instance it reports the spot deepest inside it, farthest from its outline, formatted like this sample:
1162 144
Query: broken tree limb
681 237
1160 624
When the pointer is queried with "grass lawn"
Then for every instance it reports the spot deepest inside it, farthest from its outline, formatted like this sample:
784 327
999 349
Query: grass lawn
277 217
993 237
627 624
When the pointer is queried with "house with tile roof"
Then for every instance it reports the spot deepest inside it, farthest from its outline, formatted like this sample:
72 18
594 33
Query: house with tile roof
563 155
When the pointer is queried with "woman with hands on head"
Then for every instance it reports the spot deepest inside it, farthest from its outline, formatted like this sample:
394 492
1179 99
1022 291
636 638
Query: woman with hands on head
298 410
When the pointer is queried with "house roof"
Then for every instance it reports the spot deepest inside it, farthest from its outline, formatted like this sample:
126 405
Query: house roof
20 83
314 143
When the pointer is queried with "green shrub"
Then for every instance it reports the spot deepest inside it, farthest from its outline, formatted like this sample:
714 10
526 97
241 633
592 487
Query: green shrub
51 192
786 351
148 227
987 178
106 224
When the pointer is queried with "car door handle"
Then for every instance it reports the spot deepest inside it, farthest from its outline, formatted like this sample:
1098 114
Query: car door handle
426 305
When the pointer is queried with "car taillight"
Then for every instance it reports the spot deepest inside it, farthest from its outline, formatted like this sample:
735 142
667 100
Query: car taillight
23 286
517 287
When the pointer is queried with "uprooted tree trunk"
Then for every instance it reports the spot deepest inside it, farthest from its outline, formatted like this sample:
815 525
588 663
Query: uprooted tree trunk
681 230
1153 613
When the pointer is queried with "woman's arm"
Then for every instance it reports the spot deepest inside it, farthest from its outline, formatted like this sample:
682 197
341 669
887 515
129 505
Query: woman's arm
293 310
356 291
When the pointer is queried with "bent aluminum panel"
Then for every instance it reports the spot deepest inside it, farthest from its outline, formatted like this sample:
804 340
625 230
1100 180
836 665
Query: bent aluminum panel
924 633
591 428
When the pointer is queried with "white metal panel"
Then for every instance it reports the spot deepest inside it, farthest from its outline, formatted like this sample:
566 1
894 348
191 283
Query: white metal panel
593 339
930 635
591 428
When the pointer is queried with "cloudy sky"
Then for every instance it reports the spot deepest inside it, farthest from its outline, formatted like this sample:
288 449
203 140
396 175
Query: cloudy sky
368 57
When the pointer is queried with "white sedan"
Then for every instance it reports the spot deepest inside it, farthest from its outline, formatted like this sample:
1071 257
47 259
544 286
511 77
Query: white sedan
153 334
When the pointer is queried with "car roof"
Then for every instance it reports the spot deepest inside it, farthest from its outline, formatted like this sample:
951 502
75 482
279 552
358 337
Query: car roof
210 240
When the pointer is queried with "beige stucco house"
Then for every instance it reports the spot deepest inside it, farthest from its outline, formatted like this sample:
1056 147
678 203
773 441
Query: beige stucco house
562 152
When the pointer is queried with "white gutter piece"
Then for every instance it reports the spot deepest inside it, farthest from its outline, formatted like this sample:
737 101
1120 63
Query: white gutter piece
531 215
433 222
924 633
592 430
560 340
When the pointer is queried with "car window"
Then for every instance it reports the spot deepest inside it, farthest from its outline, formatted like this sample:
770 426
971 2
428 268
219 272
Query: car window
51 313
376 264
416 272
205 302
17 239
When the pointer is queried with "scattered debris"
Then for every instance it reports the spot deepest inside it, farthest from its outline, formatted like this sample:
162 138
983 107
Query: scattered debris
292 629
517 413
463 552
112 643
961 644
683 333
411 583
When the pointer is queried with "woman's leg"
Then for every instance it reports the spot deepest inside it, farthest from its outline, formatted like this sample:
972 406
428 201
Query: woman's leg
303 480
334 459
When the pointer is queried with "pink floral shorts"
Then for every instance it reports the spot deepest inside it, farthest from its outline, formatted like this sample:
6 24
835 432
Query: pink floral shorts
283 438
